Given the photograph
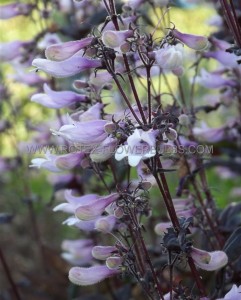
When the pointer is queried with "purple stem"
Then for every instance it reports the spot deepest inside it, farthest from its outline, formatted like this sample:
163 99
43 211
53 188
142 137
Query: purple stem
9 276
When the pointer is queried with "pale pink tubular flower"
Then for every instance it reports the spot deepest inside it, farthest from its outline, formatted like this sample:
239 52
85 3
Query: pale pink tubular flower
63 51
93 113
213 80
96 208
57 99
89 133
196 42
209 261
58 163
225 58
92 275
65 68
74 201
220 44
103 252
14 9
208 134
28 78
77 252
86 226
12 50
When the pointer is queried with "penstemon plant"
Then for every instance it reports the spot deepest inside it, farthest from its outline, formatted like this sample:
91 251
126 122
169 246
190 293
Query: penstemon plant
135 228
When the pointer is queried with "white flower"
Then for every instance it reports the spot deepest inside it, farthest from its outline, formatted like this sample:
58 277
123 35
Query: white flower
170 57
140 145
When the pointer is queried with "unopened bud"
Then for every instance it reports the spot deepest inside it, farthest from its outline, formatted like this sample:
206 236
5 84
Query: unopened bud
118 212
171 134
113 262
103 252
184 120
162 227
110 127
145 185
125 47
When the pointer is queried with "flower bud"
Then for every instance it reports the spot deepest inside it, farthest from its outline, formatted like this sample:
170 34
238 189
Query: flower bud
125 47
89 276
196 42
103 252
118 212
178 71
110 127
115 39
171 134
101 78
113 262
184 120
161 228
